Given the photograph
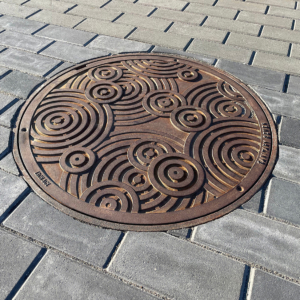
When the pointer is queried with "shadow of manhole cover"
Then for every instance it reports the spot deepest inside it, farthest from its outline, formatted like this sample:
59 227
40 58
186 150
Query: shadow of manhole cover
145 142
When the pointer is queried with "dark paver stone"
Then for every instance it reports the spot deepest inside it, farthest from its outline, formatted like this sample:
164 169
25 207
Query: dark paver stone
294 85
8 164
254 204
62 67
9 117
183 232
290 132
6 101
4 141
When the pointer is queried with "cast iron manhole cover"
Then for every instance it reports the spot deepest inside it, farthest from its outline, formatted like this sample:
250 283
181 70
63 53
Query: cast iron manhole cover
145 142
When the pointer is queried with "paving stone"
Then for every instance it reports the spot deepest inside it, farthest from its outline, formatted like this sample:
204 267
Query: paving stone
91 2
254 238
160 38
181 16
6 101
27 62
268 287
290 132
283 200
232 25
37 219
61 278
106 28
295 51
134 8
116 45
53 5
253 17
4 145
183 232
20 84
240 5
142 21
62 67
252 75
281 34
288 164
9 117
172 4
277 62
12 188
284 12
55 18
220 51
3 72
8 164
202 58
294 85
198 32
255 203
16 10
66 34
258 43
19 2
20 25
177 268
16 256
23 41
94 12
72 53
211 10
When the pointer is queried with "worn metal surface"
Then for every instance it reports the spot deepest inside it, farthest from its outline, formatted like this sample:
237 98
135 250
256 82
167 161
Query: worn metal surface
145 142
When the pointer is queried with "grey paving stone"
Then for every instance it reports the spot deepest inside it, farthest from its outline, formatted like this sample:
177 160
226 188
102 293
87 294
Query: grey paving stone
20 84
183 232
252 75
202 58
269 287
294 85
4 142
16 10
65 34
39 220
72 53
16 256
283 200
254 204
8 164
9 117
53 5
290 132
62 67
116 45
12 187
27 62
57 277
177 268
288 164
6 101
241 5
172 4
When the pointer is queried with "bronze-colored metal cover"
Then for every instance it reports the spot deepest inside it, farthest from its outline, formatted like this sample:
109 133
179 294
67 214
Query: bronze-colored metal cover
145 142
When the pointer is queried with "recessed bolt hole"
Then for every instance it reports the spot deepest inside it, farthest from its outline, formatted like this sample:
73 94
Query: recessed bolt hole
239 188
23 129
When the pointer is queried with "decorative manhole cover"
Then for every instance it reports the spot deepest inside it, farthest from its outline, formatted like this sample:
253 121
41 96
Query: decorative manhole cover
145 142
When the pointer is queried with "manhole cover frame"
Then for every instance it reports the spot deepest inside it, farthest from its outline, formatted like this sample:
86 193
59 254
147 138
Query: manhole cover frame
161 227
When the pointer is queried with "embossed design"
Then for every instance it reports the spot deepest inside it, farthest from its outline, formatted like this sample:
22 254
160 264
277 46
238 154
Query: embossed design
145 142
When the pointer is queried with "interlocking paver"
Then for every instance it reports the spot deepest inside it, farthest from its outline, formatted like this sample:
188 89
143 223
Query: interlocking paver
4 144
104 27
16 10
289 132
177 268
258 43
72 53
8 118
56 18
34 217
284 12
97 3
62 67
281 34
268 287
295 51
241 5
254 204
252 75
134 8
57 6
173 4
20 25
19 2
64 279
294 85
6 101
8 164
183 232
288 4
16 256
255 238
23 41
220 51
27 62
198 32
116 45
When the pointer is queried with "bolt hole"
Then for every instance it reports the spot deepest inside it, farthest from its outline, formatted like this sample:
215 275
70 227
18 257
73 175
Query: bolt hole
239 188
23 129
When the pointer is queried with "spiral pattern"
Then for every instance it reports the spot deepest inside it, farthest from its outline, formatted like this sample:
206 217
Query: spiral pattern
113 73
188 74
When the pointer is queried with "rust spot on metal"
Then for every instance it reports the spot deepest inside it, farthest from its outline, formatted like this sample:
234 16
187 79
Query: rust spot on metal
145 142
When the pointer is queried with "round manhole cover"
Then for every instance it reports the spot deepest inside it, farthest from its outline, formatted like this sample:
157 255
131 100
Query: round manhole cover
145 142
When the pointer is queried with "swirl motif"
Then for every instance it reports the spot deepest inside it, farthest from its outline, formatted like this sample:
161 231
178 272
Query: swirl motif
188 74
105 73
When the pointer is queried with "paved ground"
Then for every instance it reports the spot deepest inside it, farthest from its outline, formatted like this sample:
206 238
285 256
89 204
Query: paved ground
252 253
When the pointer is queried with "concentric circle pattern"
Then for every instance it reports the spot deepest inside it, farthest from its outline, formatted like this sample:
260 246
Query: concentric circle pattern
145 142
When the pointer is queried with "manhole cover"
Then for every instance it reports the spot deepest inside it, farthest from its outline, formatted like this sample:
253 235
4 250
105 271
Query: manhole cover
145 142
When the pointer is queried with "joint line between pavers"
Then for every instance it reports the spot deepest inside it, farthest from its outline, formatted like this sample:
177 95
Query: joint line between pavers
266 198
184 8
250 283
33 13
70 8
43 27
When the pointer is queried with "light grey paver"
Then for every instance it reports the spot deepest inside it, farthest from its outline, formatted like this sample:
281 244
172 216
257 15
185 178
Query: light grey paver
27 62
116 45
183 232
4 144
295 51
290 132
173 4
23 41
283 200
62 67
294 85
97 3
94 12
66 34
252 75
8 164
16 10
177 268
12 187
8 118
53 5
19 84
133 8
220 51
57 277
3 72
281 34
288 164
288 4
72 53
254 238
20 25
254 204
284 12
16 256
241 5
39 220
6 101
268 287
